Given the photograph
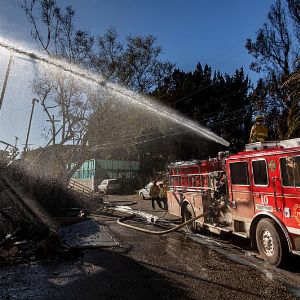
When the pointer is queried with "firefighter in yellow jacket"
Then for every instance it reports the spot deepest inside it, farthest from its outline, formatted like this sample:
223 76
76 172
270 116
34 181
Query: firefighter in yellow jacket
259 131
154 194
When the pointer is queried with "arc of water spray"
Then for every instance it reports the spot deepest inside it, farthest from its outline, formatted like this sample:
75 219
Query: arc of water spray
115 89
5 80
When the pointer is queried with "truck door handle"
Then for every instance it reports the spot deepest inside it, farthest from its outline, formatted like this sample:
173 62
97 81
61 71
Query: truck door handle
233 203
274 188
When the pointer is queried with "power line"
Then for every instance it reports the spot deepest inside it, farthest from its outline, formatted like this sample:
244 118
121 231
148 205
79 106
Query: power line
215 100
165 136
208 114
193 93
145 141
233 111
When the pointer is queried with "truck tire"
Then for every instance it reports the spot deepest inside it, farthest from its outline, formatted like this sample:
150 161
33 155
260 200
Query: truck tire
271 242
188 214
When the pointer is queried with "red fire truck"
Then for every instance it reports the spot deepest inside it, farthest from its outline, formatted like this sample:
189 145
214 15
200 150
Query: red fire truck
258 191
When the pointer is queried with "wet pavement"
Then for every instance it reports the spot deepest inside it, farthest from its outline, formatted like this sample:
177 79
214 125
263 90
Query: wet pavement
173 266
86 234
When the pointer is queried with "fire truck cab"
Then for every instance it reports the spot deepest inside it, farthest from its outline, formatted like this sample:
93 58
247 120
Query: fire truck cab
254 194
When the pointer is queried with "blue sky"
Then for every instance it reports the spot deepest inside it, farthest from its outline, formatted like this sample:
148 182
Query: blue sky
206 31
191 31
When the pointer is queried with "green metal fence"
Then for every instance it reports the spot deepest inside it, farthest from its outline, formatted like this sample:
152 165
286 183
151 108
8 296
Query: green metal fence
106 168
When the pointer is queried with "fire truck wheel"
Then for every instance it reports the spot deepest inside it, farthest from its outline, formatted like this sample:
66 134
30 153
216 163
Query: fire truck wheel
271 243
187 215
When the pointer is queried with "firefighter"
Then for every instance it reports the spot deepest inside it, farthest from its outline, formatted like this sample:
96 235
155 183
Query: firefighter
259 130
154 194
163 194
221 186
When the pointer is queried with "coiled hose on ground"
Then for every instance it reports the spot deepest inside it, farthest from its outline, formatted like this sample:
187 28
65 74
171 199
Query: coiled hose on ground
120 221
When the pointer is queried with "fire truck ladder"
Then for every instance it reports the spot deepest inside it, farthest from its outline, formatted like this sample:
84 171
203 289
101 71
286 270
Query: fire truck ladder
201 177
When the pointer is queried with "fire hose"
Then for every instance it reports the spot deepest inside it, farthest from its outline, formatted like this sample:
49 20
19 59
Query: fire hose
120 221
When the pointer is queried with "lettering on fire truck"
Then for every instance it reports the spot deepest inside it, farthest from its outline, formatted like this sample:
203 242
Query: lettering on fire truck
264 204
296 213
272 165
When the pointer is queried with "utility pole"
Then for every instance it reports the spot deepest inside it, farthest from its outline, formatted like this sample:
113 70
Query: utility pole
15 149
16 142
29 126
5 80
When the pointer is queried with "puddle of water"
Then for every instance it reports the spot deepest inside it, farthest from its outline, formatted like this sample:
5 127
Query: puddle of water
229 251
238 255
86 234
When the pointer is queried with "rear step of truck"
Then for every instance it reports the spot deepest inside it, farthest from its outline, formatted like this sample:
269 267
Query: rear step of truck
241 233
217 229
227 229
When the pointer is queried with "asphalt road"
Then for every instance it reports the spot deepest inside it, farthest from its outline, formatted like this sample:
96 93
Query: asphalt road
174 266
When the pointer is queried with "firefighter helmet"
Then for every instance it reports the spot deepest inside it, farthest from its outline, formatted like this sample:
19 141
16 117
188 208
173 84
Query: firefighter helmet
259 119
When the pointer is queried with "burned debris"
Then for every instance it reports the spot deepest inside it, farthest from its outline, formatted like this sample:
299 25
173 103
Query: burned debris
31 212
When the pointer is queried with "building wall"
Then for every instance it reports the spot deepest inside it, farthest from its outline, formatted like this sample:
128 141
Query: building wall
93 171
116 168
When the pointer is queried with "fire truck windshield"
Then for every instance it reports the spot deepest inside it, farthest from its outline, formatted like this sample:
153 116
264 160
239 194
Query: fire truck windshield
290 171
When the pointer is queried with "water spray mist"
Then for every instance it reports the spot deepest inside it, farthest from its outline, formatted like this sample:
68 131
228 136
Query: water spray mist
117 91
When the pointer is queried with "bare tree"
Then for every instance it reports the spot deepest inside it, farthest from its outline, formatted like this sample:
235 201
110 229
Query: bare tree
76 113
66 99
66 103
63 98
54 32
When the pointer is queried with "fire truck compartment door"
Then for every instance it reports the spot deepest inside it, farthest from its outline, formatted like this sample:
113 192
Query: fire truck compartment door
266 187
290 182
240 190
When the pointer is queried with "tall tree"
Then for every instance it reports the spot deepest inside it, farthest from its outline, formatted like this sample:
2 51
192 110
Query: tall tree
275 53
219 102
